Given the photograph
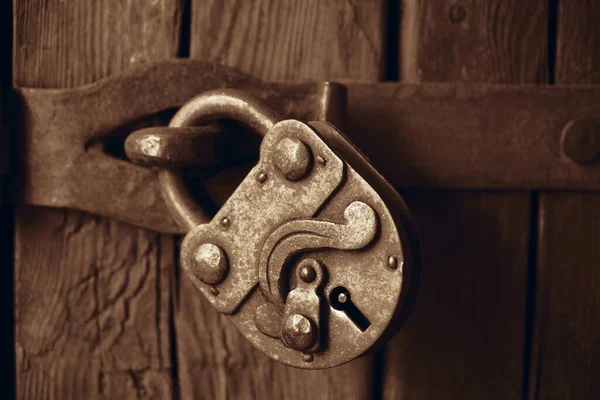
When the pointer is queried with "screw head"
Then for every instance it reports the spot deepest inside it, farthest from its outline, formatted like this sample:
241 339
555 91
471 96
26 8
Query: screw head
580 141
292 158
211 265
298 332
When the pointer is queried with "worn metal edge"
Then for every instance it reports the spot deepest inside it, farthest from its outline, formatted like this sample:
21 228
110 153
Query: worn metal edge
447 135
62 167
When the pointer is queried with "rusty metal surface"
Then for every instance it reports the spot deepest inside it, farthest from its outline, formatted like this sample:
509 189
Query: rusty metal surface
475 136
472 135
193 146
254 210
63 159
332 261
309 261
208 107
350 238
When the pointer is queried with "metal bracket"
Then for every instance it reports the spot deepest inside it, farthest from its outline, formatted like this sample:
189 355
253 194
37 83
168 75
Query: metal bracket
64 162
456 135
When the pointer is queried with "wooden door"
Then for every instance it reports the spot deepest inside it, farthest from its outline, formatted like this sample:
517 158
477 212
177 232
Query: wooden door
508 305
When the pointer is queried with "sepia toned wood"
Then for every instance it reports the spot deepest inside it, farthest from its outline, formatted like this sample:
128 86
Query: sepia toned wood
281 40
276 39
566 349
92 296
465 337
473 41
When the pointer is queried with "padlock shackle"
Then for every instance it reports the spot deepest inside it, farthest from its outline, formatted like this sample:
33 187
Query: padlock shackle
230 104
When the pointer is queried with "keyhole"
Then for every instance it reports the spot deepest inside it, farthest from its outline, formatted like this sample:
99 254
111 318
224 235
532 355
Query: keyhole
340 299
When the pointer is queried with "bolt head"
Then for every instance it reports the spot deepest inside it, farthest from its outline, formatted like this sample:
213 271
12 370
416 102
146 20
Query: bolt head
210 264
298 332
580 141
292 158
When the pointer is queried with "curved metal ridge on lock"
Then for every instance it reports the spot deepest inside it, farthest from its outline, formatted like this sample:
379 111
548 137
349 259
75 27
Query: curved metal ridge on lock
305 228
265 199
302 235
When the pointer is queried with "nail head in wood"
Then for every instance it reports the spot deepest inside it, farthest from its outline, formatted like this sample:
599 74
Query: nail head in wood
580 141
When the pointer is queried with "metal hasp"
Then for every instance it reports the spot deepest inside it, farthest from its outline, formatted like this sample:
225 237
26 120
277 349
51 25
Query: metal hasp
313 257
450 135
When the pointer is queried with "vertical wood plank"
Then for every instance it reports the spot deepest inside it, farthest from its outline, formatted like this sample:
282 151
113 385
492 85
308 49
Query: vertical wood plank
92 295
465 337
567 342
275 40
292 40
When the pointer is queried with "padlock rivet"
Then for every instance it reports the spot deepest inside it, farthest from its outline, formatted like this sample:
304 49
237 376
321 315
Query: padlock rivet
298 332
261 177
225 222
211 265
321 160
307 357
392 262
292 158
307 273
342 298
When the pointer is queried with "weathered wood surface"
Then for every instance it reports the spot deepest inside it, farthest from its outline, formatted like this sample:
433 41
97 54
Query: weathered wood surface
566 352
465 337
92 295
283 40
310 40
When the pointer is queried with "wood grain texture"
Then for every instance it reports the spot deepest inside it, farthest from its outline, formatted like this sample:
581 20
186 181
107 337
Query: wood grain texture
292 40
64 44
276 39
92 295
474 41
578 42
465 337
566 352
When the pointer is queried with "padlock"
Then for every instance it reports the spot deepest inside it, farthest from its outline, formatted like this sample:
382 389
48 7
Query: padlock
314 257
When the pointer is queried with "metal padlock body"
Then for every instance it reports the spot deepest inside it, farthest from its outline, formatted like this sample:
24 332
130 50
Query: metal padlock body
304 237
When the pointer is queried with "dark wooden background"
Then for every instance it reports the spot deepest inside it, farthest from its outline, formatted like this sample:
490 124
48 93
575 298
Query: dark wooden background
509 305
